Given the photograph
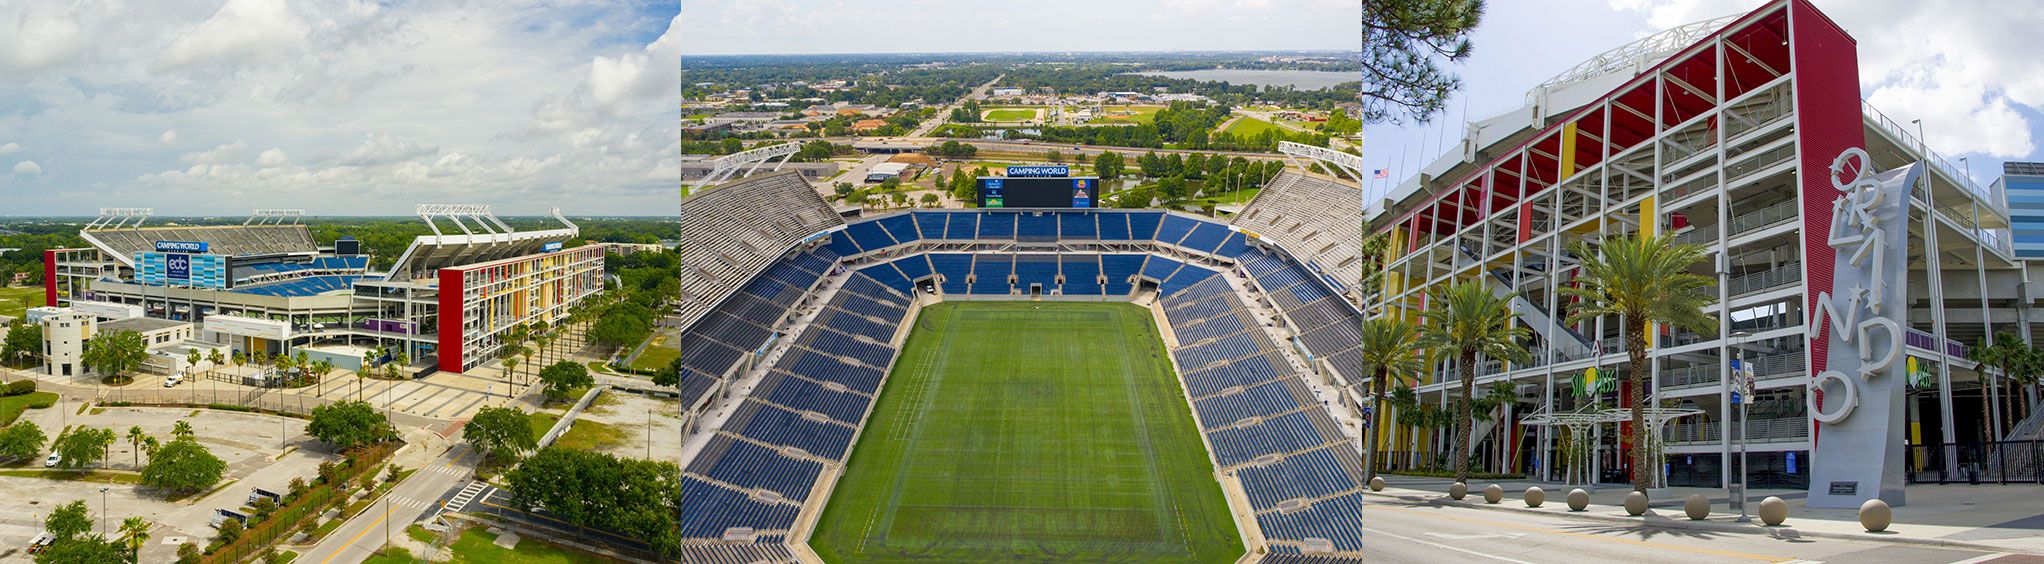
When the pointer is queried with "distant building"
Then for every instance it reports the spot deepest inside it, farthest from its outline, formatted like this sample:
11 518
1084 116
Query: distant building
64 336
883 171
1006 91
868 124
629 248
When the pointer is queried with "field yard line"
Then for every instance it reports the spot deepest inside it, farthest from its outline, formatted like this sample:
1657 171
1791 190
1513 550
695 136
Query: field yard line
927 393
1160 495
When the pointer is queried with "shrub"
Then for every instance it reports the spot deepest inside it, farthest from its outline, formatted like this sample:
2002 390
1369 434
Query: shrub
20 388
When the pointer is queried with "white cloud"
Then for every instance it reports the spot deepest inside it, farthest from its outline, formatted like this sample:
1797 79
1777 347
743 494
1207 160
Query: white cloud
224 154
41 35
1967 68
9 149
243 31
27 168
348 106
272 158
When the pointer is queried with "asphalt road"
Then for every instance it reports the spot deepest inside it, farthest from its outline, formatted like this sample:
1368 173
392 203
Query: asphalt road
362 535
1398 531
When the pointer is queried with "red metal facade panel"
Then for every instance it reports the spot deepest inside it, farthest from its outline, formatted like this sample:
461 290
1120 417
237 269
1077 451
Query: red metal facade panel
450 319
50 277
1828 121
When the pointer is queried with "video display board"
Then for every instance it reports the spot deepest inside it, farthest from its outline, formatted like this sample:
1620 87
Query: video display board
1009 192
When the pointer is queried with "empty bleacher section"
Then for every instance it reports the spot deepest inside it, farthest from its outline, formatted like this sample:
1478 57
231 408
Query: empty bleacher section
1293 211
754 474
1263 424
725 553
231 240
1326 322
746 320
736 230
303 286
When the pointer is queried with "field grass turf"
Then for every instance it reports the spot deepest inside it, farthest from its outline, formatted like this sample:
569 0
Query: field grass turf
1140 115
10 299
1251 127
1030 431
1009 114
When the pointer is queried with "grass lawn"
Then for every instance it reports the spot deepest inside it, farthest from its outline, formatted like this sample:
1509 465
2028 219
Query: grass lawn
658 353
590 435
85 475
1026 431
1009 114
11 407
541 423
10 299
1141 114
1235 197
477 546
1251 127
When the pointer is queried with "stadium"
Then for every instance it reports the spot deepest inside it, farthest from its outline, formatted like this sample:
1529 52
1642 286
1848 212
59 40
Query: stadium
267 287
1740 134
1021 383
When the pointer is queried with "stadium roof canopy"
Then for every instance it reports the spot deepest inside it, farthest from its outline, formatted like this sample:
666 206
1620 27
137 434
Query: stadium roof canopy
483 238
122 243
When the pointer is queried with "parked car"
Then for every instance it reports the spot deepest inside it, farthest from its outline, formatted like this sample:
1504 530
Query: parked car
173 380
41 541
53 460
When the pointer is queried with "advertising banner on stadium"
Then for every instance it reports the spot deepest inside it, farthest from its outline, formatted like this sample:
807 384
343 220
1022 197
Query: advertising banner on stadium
181 246
177 266
1039 171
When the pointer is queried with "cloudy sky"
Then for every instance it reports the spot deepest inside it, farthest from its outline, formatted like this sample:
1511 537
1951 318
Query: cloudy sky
338 107
960 26
1973 70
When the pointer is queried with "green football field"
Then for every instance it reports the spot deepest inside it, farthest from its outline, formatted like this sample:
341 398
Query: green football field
1010 114
1030 431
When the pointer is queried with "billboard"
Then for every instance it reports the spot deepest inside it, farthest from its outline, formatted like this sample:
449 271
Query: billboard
178 266
181 246
1030 192
1039 171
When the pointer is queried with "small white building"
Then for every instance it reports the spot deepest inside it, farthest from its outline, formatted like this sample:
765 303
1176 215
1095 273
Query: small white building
883 171
64 336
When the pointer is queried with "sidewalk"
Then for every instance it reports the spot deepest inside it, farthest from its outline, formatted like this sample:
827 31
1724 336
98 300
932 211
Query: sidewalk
2000 518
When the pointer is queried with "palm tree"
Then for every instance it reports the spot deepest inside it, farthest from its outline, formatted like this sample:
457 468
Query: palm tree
192 358
135 436
213 360
1644 280
2009 354
1471 320
321 368
1391 349
182 429
135 531
240 359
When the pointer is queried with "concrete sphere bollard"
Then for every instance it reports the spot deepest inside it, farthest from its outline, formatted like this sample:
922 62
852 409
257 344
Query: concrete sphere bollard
1458 490
1535 496
1635 503
1493 493
1697 507
1578 499
1377 484
1773 511
1875 515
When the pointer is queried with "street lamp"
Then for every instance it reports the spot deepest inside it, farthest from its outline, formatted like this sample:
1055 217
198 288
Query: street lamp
102 511
1742 398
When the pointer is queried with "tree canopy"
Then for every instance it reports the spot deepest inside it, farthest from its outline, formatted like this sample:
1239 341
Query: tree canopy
634 498
349 424
1405 43
21 441
500 431
564 377
183 466
83 446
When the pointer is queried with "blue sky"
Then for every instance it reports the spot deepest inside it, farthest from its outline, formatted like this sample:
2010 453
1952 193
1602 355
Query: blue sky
723 27
344 107
1972 70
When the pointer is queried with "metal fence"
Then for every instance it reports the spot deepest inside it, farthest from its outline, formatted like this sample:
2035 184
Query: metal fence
1997 462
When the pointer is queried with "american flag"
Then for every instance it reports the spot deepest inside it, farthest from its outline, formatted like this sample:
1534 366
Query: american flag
1381 173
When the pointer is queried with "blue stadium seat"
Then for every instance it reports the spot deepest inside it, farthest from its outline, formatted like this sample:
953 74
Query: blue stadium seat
1077 225
1114 226
930 225
954 268
1082 274
990 274
1143 225
1036 269
1175 228
1038 227
901 226
963 226
1118 269
996 225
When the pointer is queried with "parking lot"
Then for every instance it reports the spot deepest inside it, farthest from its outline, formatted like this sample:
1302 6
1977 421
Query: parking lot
627 415
261 451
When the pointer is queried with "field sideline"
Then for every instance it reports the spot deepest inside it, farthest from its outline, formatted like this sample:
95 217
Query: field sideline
1030 431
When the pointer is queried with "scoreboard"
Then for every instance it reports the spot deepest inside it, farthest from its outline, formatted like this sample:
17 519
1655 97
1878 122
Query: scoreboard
1038 187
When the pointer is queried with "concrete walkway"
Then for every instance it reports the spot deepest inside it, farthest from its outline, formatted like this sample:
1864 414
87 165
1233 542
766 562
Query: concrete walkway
1999 518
